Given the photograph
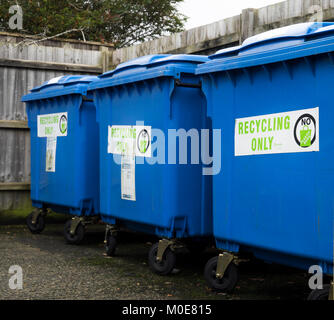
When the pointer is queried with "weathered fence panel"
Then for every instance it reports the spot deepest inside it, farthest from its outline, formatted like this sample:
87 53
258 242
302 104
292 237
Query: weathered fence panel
231 31
23 67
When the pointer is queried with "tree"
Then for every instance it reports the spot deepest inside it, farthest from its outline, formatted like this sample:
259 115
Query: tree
121 22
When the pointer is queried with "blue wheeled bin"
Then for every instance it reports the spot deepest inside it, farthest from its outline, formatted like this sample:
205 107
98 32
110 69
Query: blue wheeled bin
272 99
64 153
144 187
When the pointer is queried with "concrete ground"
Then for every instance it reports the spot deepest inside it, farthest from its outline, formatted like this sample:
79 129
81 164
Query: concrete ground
55 270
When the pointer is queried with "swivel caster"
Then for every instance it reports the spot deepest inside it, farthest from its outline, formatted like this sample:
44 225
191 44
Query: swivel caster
162 262
110 244
36 222
223 280
74 231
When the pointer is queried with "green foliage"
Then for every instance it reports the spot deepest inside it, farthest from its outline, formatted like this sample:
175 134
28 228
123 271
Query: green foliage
122 22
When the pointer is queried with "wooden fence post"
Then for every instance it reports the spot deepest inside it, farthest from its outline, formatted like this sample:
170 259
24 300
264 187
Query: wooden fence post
247 24
105 59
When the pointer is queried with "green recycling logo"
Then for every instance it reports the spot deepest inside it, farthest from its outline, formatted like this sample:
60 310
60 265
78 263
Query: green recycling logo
143 141
305 130
63 124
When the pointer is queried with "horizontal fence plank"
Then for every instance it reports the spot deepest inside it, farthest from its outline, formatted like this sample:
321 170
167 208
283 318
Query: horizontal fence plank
14 186
14 124
30 64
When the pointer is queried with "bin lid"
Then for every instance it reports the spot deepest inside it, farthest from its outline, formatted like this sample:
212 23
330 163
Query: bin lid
265 43
63 85
279 38
150 66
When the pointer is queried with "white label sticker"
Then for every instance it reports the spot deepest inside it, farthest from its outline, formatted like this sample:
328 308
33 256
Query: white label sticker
128 178
52 125
286 132
130 140
51 146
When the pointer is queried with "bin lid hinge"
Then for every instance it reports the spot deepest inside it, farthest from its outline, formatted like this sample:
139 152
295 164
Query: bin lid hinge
179 83
85 98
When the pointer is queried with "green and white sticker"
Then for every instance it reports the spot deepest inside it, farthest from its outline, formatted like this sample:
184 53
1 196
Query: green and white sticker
130 140
286 132
52 125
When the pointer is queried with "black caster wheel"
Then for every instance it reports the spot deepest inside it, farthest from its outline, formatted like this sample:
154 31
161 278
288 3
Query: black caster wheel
227 283
165 266
37 227
320 294
111 245
75 238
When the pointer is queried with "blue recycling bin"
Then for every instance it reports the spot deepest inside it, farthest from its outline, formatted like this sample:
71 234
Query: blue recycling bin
64 153
272 99
142 188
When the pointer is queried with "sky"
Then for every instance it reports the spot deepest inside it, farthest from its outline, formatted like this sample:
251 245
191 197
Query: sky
201 12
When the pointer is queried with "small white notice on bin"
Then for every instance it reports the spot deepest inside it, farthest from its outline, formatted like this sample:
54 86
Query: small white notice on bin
52 125
128 177
129 142
51 147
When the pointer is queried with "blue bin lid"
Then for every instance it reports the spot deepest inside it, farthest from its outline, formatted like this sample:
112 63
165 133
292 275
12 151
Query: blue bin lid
60 86
148 67
278 38
265 43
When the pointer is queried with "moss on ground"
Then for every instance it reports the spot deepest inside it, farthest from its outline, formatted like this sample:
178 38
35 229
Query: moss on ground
18 216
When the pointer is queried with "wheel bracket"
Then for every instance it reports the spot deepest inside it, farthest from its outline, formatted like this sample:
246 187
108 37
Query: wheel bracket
162 247
224 260
110 228
36 213
75 223
331 291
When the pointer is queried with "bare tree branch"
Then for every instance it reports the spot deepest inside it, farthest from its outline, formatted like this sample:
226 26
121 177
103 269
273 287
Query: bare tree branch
83 35
75 7
28 42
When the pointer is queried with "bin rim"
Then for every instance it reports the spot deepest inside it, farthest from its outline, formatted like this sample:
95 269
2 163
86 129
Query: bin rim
63 85
154 60
149 67
229 59
291 32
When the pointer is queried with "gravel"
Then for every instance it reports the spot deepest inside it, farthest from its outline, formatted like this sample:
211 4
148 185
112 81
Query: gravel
55 270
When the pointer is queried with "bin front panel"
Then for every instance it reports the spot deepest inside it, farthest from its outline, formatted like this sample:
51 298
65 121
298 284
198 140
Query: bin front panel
167 195
65 167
